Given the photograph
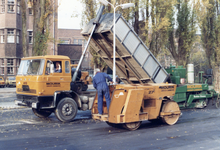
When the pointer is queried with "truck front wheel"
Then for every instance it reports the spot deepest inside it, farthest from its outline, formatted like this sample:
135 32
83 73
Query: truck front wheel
66 110
41 113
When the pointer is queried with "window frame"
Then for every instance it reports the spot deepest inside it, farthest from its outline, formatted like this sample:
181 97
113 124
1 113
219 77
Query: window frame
18 37
10 62
2 6
75 41
10 36
80 41
30 37
2 36
10 70
3 70
3 62
30 11
18 7
12 4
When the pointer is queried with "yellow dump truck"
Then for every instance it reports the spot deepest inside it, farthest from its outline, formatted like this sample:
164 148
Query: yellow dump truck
40 87
47 89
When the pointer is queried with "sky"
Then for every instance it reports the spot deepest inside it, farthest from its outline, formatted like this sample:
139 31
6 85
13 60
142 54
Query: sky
66 9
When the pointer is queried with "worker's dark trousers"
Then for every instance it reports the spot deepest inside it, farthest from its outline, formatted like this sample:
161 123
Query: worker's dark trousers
101 93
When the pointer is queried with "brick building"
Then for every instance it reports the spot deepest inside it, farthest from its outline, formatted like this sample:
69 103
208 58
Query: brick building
11 34
71 41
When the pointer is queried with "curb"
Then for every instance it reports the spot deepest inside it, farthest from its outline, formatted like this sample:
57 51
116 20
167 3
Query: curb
9 105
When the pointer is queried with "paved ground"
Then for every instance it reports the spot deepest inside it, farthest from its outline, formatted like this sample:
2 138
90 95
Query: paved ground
20 129
7 96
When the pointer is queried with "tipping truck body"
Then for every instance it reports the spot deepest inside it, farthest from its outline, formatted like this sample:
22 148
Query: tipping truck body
145 95
38 86
134 61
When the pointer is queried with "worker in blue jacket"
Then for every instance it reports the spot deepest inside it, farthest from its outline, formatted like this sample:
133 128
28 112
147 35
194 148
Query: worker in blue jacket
99 83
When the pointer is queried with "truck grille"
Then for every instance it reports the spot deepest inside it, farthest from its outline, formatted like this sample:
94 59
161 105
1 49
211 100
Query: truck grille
25 88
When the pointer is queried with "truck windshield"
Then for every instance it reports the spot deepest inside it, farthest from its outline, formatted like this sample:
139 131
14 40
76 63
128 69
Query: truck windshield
31 67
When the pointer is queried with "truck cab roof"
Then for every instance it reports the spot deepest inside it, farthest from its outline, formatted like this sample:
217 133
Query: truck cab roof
47 57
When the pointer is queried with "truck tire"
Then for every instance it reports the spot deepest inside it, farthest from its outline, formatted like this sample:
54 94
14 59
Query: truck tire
66 110
41 113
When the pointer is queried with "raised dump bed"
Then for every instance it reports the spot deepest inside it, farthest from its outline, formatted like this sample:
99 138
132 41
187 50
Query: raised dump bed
134 61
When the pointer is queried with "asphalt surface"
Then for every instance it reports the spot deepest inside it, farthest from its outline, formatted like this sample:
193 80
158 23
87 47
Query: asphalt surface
20 129
7 97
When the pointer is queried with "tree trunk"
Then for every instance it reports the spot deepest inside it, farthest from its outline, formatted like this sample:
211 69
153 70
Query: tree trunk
24 28
136 17
216 82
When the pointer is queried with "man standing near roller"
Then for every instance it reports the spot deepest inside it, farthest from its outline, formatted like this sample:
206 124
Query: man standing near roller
99 83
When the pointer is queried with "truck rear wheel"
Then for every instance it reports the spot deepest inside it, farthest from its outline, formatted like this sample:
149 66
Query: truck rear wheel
170 106
41 113
66 110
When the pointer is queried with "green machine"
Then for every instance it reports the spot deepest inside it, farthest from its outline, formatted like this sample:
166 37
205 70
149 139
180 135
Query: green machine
194 95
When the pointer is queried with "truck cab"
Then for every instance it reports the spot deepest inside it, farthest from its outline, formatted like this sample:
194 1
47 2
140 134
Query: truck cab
44 84
37 76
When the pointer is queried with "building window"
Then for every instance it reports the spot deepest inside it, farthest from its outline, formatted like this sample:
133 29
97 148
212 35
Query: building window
75 41
18 37
30 37
2 36
2 71
11 4
64 41
30 11
79 42
10 62
10 70
85 42
10 37
18 7
3 63
2 6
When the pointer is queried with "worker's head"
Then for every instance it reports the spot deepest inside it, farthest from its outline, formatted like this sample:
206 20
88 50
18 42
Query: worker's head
57 64
97 70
